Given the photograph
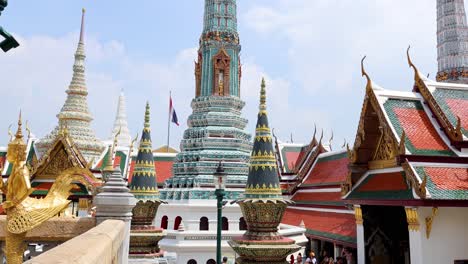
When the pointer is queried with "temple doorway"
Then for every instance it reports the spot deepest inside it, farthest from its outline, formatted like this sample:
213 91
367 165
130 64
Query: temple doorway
386 235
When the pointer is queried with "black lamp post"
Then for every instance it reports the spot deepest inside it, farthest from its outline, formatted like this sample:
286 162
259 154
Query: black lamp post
219 179
9 42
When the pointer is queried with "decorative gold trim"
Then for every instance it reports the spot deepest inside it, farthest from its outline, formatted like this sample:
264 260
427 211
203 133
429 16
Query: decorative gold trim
358 215
412 219
419 188
430 220
454 133
346 186
402 147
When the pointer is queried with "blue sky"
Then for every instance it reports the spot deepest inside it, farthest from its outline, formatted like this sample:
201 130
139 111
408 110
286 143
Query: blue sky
308 51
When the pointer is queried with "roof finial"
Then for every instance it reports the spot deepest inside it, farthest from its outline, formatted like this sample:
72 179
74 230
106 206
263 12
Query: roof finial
28 130
263 94
331 139
83 11
321 137
363 71
315 130
410 63
10 133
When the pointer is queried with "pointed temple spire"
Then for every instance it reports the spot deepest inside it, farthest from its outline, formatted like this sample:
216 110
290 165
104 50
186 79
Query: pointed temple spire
263 205
124 139
452 41
263 180
82 26
75 115
218 70
216 129
144 185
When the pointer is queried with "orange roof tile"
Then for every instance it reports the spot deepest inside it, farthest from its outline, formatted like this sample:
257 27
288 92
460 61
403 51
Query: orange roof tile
445 183
317 196
163 170
419 130
449 178
338 227
459 107
329 170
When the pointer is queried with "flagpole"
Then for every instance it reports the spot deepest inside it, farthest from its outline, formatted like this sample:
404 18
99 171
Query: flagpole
169 122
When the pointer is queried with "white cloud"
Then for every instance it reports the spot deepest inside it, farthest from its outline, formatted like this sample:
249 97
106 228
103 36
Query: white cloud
47 63
319 82
324 41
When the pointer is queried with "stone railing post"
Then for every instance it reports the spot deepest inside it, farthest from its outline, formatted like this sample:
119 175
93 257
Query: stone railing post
116 202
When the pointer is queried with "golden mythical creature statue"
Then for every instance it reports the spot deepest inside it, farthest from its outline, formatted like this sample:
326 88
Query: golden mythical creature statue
24 212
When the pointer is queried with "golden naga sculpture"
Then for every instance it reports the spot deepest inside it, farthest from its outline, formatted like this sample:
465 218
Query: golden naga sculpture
24 212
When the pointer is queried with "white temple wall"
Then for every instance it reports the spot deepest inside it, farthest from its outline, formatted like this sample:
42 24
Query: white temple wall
191 215
448 240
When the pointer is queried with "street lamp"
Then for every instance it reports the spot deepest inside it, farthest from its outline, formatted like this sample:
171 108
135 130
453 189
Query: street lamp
220 182
9 42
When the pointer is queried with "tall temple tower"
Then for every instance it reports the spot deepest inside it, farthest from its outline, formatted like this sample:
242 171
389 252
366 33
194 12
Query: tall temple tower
124 138
452 41
215 128
74 115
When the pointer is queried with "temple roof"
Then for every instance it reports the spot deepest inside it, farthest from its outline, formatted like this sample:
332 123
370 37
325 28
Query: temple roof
382 185
263 178
329 169
290 155
143 182
339 228
411 147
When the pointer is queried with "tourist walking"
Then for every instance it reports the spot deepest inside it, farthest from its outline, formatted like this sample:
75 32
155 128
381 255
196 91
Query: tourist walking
299 258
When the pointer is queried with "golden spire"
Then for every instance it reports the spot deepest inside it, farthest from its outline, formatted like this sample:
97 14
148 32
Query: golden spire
19 133
110 163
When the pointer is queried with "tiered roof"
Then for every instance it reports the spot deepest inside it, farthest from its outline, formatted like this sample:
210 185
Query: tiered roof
317 198
415 145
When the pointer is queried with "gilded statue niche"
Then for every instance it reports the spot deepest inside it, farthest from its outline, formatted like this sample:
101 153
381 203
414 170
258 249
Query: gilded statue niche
198 72
222 65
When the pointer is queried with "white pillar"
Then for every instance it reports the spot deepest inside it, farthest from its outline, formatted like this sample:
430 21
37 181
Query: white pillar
361 246
116 202
337 250
314 247
361 243
415 236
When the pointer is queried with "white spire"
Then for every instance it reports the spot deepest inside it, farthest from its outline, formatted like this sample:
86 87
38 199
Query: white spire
74 114
124 139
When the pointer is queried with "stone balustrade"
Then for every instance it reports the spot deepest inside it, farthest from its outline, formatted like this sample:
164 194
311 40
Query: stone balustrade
102 244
